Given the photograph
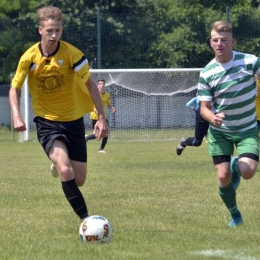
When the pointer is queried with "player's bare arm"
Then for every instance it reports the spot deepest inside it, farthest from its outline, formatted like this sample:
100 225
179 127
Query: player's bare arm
101 128
113 109
207 114
19 124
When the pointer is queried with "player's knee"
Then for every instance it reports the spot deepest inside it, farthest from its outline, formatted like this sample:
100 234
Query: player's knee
65 172
224 177
247 173
80 179
247 168
80 182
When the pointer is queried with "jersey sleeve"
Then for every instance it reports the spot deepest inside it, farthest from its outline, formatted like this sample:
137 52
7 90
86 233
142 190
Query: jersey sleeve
257 67
192 103
205 92
21 73
80 65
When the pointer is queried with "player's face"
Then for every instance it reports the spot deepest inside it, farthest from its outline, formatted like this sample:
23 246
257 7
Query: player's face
222 44
50 31
101 87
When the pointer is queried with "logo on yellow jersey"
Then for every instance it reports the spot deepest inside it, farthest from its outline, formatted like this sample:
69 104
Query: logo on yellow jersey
60 62
50 82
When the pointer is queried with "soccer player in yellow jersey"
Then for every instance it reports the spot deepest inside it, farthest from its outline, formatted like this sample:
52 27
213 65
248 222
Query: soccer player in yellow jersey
105 96
258 102
62 91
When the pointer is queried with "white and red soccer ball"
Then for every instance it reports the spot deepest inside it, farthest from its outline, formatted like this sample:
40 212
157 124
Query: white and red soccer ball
95 229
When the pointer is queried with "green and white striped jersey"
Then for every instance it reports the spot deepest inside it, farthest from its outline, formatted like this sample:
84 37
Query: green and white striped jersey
231 87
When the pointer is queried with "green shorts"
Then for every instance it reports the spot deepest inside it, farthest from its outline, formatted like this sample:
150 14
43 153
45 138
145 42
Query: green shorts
222 143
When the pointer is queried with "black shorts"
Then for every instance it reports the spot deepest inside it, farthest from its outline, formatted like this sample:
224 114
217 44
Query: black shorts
72 133
93 123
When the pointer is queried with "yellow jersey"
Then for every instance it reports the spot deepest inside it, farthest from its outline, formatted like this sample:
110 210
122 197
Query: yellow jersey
57 83
105 102
258 100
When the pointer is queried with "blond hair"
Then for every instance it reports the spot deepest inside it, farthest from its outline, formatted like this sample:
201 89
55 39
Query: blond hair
49 13
222 26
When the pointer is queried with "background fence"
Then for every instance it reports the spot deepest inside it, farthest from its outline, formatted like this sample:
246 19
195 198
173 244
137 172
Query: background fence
116 41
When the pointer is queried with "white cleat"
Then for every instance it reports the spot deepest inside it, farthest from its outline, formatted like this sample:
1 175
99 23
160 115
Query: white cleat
54 171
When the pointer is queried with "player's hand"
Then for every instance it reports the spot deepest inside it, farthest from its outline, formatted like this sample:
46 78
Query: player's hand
19 124
218 119
101 129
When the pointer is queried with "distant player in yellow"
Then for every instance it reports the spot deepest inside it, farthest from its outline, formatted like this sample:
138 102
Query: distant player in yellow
62 91
258 103
105 96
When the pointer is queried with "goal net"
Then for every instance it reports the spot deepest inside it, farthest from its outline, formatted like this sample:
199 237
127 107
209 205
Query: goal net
150 104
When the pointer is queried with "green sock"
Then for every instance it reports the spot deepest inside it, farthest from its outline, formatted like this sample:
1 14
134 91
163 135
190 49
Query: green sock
228 195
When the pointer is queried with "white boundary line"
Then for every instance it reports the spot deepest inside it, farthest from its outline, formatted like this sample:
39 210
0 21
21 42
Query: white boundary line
224 254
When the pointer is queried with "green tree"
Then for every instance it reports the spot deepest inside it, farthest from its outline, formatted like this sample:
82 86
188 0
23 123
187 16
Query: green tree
135 33
185 29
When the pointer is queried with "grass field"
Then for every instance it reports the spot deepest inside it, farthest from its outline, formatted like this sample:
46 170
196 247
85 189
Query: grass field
114 135
161 206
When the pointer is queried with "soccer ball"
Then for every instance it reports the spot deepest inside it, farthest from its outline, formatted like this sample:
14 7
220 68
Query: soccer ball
95 229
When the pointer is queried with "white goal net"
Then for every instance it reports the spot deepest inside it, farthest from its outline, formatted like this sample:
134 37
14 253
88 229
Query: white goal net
150 104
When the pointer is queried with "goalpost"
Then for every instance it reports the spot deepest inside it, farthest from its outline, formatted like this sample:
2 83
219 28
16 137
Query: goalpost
150 104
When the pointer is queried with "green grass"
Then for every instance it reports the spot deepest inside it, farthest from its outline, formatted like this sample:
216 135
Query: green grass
161 206
115 135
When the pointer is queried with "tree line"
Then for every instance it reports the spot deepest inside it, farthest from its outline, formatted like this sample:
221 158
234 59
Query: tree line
134 33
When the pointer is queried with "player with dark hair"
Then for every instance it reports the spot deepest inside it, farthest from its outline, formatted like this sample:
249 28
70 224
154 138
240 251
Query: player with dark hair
62 91
105 97
201 128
